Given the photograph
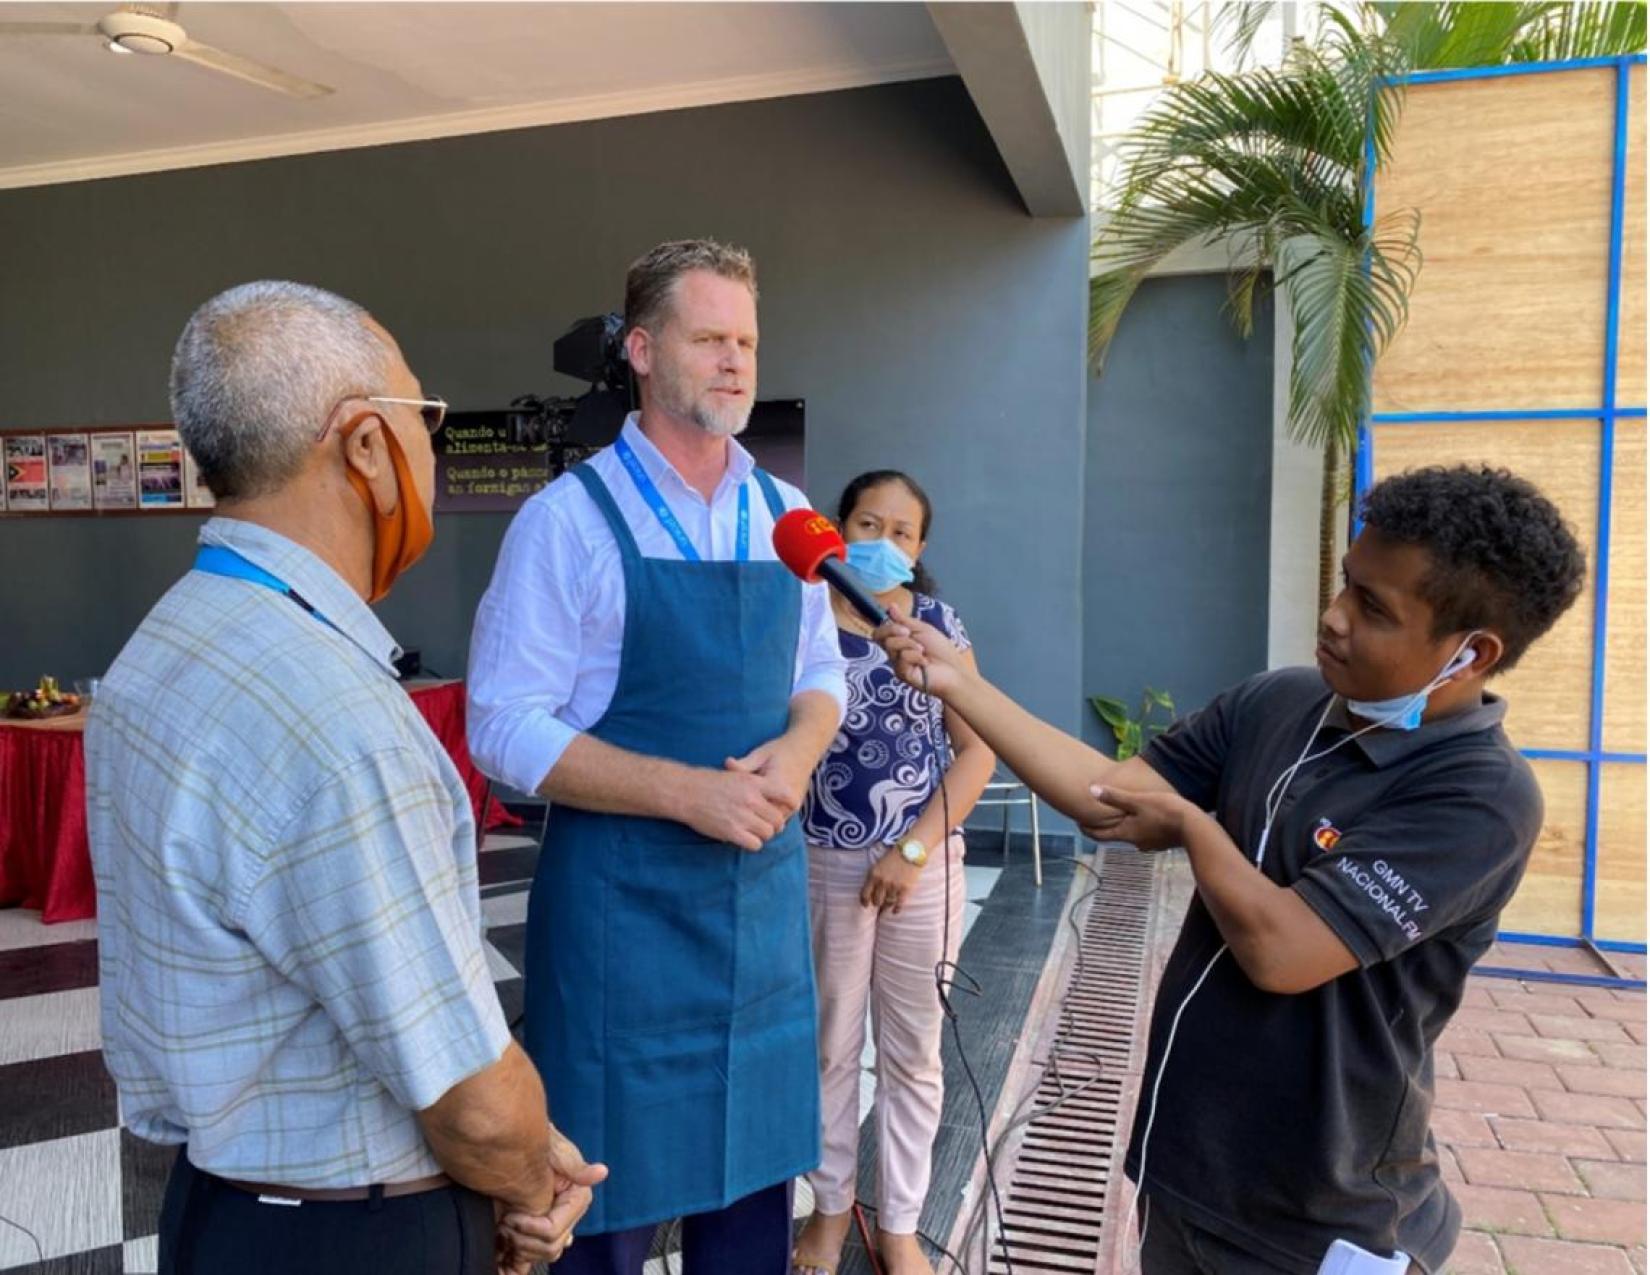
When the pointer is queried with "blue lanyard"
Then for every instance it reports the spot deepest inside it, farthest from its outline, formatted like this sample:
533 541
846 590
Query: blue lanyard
656 502
217 560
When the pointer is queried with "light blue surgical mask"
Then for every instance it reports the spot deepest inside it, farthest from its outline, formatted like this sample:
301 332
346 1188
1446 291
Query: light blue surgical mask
881 565
1403 712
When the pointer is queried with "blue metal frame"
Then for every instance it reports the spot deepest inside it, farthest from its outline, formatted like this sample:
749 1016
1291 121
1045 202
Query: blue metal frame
1570 754
1559 940
1363 464
1518 68
1606 493
1606 415
1553 976
1544 414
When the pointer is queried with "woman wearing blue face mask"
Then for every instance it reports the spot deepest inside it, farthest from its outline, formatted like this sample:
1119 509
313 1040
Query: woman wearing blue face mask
877 886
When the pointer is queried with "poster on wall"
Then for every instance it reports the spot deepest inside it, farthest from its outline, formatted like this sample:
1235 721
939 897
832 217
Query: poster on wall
26 490
491 462
160 469
69 472
114 471
197 495
488 462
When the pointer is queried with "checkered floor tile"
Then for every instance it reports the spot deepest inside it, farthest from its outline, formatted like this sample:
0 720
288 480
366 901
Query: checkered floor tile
81 1196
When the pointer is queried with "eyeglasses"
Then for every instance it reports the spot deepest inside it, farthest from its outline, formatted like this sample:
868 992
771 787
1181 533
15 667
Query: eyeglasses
432 410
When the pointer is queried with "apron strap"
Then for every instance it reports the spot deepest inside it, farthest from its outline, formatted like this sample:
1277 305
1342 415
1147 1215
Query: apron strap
599 493
776 502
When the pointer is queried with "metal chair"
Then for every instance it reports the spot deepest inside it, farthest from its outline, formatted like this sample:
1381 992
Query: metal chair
487 804
1006 788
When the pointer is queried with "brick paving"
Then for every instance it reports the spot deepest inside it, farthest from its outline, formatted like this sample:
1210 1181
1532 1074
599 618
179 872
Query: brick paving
1540 1121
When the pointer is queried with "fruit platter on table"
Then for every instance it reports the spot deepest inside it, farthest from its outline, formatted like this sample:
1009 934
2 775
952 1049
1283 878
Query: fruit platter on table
45 700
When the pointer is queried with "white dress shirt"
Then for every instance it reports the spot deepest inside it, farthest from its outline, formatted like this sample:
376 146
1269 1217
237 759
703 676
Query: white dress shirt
544 657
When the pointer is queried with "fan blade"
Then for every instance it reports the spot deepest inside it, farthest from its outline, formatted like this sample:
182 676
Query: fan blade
46 28
246 69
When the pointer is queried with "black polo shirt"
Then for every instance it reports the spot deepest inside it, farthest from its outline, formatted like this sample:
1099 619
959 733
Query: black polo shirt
1286 1122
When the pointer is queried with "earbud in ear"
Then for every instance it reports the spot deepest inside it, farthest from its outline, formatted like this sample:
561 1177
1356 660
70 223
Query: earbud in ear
1461 661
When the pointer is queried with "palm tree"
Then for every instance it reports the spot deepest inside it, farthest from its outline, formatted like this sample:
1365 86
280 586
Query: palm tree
1277 164
1487 34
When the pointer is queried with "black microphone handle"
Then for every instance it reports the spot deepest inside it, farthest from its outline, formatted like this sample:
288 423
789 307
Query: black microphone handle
836 574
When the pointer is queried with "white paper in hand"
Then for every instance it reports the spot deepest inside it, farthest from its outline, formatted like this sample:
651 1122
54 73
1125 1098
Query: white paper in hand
1346 1258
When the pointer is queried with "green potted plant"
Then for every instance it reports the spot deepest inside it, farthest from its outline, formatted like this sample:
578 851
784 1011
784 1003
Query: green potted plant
1132 732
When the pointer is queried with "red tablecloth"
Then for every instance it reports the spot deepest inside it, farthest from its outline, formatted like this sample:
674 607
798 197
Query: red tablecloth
442 704
44 860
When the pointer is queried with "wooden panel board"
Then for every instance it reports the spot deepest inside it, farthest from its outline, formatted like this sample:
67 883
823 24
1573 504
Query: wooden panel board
1624 652
1630 352
1549 899
1512 179
1618 912
1549 693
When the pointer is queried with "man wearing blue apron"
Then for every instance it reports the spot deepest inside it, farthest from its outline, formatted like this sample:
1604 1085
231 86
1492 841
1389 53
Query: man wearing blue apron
642 661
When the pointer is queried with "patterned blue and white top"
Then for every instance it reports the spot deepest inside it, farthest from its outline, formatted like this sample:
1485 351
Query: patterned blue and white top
880 770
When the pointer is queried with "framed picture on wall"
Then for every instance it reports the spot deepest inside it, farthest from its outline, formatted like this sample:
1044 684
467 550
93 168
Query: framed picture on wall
160 469
114 471
69 472
26 490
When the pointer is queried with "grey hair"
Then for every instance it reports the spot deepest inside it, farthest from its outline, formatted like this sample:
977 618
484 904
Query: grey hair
255 373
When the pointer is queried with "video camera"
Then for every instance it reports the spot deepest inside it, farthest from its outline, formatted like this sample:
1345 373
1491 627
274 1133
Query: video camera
591 350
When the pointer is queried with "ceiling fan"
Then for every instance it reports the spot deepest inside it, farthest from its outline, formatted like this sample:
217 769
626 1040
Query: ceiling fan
153 30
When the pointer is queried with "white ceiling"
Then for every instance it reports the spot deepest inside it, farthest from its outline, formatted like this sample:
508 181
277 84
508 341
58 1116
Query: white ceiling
70 110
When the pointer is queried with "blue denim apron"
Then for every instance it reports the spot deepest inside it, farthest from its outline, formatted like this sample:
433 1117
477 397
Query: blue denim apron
669 981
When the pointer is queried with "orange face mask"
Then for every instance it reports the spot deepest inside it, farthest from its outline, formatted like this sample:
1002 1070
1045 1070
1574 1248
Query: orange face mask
400 538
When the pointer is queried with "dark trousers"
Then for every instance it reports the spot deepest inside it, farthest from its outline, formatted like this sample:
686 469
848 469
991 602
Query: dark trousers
208 1227
1176 1245
751 1236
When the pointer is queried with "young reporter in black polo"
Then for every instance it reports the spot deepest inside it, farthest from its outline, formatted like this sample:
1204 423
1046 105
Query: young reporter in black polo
1391 821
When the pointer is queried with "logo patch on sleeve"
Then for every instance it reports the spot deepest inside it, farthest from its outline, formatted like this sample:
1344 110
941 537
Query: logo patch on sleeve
1326 836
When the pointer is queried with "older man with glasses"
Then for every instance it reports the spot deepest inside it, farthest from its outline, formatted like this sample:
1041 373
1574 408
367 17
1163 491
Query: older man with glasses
293 983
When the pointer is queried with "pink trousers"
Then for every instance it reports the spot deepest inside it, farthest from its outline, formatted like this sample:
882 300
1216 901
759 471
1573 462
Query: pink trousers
865 957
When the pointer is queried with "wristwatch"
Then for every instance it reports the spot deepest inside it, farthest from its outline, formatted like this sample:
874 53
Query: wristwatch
913 852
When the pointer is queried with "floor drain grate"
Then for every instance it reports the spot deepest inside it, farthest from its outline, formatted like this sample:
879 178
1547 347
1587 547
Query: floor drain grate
1068 1158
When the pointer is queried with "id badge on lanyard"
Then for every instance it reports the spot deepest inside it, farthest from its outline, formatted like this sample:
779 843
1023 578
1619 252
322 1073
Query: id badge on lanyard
220 560
667 518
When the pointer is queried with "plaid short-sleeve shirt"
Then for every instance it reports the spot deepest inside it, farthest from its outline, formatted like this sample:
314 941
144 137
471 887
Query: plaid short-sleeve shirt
288 908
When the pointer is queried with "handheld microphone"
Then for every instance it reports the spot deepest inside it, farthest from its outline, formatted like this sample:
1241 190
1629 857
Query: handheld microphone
813 549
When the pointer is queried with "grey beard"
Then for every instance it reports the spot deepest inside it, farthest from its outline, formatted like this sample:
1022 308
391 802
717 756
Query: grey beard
720 426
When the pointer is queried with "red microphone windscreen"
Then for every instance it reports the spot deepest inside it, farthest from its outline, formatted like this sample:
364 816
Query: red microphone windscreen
803 539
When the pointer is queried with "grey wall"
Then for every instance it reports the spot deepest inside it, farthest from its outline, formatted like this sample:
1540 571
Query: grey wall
928 322
1176 538
1052 31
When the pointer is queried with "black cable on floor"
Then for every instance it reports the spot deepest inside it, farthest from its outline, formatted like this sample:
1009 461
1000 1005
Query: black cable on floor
921 1234
865 1237
1049 1067
39 1249
936 735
